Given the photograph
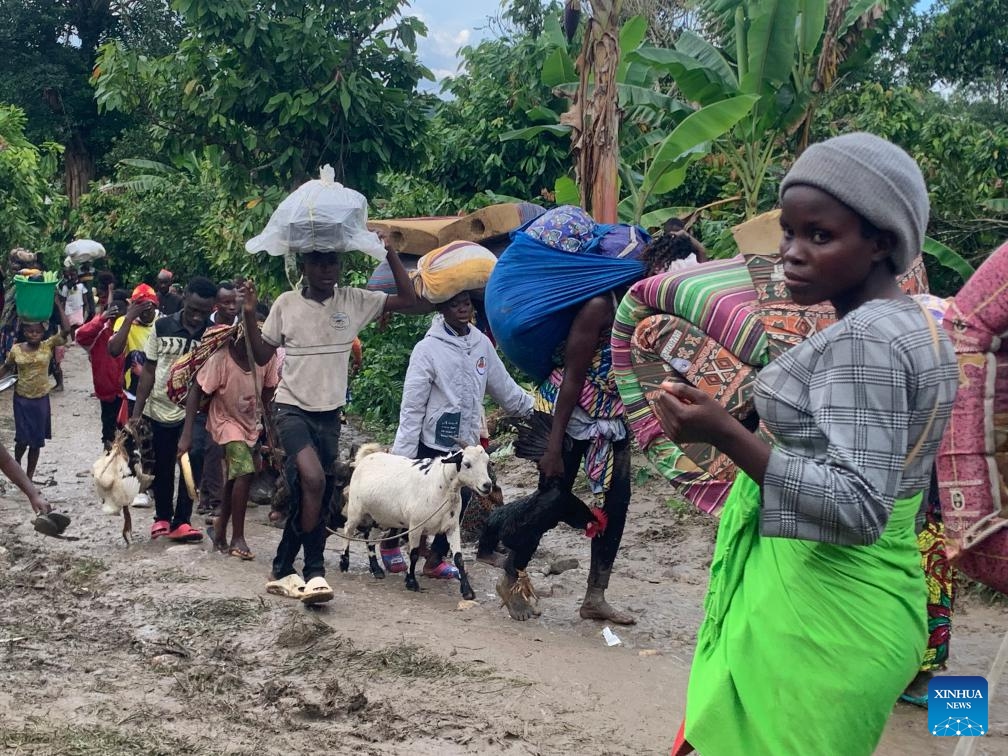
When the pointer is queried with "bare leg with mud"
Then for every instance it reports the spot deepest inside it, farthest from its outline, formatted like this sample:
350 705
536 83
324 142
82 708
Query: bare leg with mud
236 495
220 522
605 546
33 456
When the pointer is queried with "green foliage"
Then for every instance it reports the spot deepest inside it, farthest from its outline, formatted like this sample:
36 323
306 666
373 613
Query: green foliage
964 43
281 88
964 161
30 204
377 389
49 50
499 91
773 52
404 195
187 216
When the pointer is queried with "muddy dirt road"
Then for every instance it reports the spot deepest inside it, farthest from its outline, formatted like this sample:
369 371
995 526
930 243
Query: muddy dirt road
169 649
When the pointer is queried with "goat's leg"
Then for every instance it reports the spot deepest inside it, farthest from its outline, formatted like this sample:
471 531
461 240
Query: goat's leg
455 544
376 569
349 528
414 554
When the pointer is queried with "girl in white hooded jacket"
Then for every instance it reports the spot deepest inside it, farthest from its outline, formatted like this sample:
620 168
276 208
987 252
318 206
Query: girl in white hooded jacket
450 371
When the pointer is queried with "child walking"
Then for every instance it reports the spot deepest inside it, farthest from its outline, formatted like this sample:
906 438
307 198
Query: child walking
233 423
450 371
30 359
316 326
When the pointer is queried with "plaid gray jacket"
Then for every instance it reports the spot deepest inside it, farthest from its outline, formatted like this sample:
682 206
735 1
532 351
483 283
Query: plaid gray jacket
845 408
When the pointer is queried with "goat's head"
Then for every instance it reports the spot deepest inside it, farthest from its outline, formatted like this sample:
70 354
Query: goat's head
473 466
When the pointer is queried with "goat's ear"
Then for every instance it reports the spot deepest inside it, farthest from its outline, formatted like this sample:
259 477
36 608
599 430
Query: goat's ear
453 459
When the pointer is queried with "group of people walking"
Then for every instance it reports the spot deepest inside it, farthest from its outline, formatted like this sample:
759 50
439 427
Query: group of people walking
816 588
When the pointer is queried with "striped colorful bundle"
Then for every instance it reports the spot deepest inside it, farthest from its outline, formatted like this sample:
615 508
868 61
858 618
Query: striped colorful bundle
698 324
713 325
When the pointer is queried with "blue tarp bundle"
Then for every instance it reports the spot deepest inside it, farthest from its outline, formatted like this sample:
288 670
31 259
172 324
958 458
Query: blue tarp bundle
535 290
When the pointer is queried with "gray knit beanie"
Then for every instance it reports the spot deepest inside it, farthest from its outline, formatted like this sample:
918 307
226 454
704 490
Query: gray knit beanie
874 178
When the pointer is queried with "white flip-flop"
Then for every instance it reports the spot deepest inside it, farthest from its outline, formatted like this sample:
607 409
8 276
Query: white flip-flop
316 591
289 586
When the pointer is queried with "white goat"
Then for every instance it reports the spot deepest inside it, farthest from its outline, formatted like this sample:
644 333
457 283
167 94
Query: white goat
423 496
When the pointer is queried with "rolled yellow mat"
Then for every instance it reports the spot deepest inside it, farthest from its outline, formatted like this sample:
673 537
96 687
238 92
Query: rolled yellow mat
188 476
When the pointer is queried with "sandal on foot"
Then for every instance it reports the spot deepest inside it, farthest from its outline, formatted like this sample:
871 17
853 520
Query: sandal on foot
316 591
921 701
289 586
444 571
393 560
160 528
244 554
185 533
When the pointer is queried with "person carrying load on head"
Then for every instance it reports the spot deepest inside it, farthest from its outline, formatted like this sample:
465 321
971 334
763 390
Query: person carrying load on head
315 325
450 371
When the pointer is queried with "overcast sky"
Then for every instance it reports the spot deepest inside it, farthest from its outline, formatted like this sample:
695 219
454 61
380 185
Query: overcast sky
451 24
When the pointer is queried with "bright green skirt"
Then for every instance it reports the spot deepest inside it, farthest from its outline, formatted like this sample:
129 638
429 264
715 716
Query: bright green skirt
805 646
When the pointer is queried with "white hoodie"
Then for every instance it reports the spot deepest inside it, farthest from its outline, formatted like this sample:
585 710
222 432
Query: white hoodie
446 381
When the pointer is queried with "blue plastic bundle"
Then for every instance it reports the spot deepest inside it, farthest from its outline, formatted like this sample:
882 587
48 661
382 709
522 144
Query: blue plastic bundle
536 289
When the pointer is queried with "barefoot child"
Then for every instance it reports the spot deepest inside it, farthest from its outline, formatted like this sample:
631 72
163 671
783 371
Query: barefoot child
316 326
233 423
30 360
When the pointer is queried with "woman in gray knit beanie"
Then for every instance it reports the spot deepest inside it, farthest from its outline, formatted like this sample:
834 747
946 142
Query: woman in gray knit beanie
815 614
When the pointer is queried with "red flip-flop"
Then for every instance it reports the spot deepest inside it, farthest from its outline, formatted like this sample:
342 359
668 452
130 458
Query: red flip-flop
159 528
185 533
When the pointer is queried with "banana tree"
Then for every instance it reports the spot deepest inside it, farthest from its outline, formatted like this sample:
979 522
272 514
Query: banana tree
656 144
782 52
593 115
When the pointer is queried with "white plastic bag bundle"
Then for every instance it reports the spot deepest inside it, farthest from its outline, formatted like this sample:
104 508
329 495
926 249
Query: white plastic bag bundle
84 250
320 215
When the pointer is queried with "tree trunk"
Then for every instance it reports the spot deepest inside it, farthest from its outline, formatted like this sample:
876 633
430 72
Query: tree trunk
594 113
78 169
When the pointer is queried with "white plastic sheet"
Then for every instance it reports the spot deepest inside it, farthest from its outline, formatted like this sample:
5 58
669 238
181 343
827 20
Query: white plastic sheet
320 215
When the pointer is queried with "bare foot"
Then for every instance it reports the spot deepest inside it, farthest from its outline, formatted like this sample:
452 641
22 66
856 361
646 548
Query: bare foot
600 609
518 595
218 537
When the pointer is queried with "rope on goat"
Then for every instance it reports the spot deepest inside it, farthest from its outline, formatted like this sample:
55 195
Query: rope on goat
429 517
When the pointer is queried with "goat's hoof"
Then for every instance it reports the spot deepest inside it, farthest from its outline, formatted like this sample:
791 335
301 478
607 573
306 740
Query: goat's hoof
412 585
379 573
468 594
344 563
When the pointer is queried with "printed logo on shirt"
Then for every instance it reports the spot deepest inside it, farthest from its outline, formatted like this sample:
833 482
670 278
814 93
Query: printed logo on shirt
481 365
340 321
957 705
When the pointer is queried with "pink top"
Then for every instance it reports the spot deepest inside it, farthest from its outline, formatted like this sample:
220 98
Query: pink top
232 415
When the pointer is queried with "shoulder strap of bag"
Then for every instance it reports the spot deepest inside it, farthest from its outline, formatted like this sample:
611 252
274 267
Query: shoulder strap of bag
933 328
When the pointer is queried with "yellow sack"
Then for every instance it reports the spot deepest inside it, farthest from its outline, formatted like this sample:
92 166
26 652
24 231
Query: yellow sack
449 270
